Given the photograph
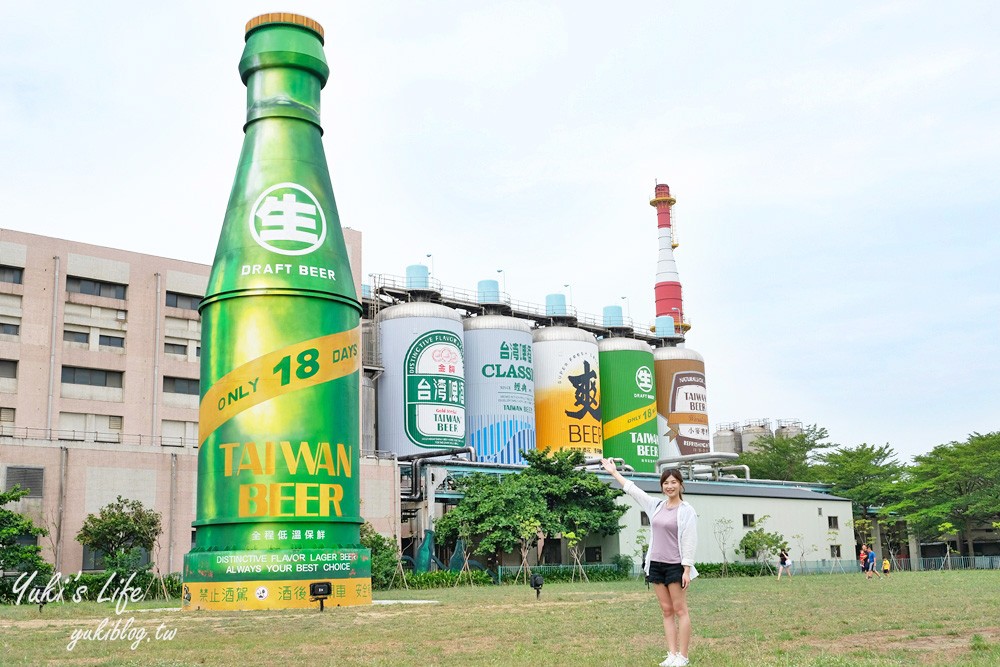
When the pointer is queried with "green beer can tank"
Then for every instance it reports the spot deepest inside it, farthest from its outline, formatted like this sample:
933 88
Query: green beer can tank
279 422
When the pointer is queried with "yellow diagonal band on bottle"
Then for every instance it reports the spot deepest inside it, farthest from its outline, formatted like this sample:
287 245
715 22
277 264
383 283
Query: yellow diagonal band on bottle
630 420
294 367
687 418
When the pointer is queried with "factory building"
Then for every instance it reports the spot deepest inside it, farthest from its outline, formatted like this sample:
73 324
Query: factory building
99 394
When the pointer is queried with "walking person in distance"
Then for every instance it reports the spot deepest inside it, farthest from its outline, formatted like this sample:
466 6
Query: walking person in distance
784 563
673 538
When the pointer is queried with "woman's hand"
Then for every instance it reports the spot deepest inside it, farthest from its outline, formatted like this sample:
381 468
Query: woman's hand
686 579
609 465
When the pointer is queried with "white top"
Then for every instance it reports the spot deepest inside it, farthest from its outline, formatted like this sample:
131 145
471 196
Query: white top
687 524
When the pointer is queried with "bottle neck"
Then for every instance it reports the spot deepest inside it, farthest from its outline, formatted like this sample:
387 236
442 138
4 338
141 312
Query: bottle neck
283 92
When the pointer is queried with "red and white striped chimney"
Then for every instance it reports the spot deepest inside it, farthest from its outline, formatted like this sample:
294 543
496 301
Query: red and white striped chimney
669 302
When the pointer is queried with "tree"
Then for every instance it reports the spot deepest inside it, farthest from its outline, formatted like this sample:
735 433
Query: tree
119 530
779 457
804 549
723 529
575 500
957 483
760 544
551 494
15 556
866 474
494 507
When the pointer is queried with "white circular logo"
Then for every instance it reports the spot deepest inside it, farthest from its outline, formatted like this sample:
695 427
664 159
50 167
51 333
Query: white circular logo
644 378
261 593
287 219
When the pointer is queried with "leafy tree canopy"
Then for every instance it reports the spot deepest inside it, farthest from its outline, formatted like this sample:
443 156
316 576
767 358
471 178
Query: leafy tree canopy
13 555
493 511
956 483
779 457
867 474
759 544
121 526
551 493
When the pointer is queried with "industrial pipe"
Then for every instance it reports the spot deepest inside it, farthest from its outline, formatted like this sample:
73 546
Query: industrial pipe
743 467
416 494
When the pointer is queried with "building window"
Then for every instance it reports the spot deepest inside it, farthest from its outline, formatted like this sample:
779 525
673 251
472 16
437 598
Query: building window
26 540
592 555
748 520
10 329
111 341
95 287
94 377
11 274
552 552
197 351
93 559
76 336
8 368
26 478
7 415
186 301
834 551
173 385
820 510
175 348
832 523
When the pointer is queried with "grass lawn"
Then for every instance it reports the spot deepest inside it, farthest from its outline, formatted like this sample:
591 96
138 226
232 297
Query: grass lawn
933 618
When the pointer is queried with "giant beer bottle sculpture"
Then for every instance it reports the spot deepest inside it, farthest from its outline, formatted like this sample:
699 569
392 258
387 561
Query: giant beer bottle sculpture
278 492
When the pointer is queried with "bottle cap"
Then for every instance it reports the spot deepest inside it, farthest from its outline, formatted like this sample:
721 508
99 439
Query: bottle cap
286 18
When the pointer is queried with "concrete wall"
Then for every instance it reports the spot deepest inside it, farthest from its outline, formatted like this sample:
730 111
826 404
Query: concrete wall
81 477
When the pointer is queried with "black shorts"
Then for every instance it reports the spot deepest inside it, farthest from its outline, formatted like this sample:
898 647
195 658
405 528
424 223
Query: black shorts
665 573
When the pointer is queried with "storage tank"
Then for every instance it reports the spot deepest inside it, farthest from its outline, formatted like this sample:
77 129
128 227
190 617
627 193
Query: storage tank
752 430
628 402
499 388
727 438
788 428
421 393
567 390
680 399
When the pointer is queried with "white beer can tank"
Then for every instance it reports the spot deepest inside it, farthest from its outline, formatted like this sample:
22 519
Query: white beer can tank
567 390
499 388
421 393
682 415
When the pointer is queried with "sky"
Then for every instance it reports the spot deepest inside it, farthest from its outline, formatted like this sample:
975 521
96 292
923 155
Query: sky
836 168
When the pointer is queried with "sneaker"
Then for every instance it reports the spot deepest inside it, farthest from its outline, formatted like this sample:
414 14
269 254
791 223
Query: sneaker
680 661
670 660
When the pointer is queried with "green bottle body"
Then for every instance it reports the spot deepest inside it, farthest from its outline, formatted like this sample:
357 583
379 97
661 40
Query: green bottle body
279 423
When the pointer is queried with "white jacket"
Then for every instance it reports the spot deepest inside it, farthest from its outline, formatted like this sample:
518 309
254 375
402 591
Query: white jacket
687 524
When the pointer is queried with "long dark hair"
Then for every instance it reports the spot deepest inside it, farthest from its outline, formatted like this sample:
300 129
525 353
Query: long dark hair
676 474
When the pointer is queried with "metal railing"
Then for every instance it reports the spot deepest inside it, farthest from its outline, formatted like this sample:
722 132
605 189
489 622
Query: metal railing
101 437
849 566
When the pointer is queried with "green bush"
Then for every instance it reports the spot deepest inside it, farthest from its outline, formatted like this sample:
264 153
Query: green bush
445 578
568 573
73 590
714 570
385 556
624 563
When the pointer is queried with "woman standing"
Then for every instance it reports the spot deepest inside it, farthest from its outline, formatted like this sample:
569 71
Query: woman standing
784 563
673 538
